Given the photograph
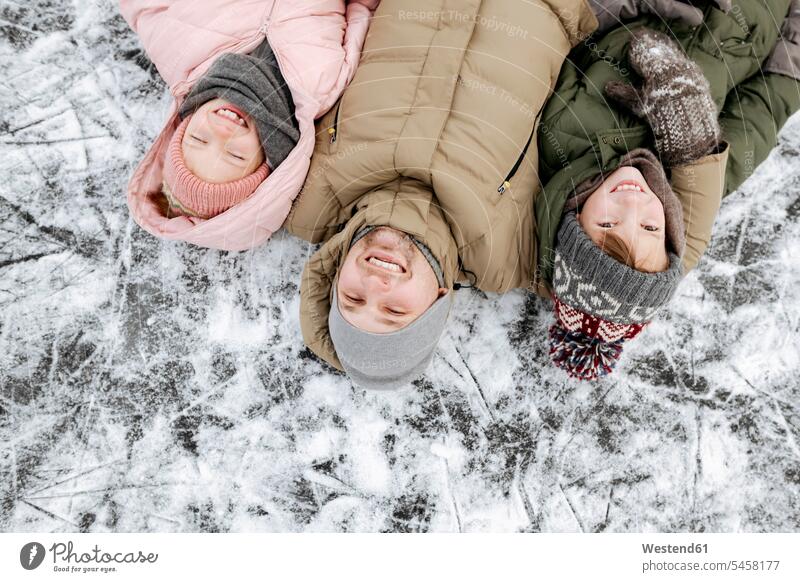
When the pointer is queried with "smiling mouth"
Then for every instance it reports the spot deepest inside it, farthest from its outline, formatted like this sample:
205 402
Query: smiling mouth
386 262
232 114
627 186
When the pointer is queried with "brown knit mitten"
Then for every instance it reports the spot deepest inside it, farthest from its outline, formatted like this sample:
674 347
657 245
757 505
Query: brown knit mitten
675 98
785 57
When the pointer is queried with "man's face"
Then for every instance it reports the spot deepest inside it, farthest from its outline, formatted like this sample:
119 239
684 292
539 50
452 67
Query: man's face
221 143
385 282
625 205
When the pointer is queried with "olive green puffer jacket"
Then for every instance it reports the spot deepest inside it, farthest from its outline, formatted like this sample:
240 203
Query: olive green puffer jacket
583 132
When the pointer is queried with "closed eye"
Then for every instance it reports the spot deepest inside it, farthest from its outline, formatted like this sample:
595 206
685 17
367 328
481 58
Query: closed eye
391 311
236 156
352 299
197 139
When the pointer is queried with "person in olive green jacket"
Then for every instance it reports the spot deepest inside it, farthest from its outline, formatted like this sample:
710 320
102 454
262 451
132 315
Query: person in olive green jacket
615 232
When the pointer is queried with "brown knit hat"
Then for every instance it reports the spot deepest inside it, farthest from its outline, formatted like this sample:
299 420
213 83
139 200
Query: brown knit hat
189 195
648 164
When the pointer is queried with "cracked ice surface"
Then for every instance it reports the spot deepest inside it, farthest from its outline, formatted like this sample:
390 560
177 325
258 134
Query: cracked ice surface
153 386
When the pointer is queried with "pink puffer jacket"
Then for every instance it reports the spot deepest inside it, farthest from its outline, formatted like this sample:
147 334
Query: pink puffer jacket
317 44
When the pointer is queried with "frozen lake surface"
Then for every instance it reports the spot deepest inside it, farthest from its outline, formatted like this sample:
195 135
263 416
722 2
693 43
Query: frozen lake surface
153 386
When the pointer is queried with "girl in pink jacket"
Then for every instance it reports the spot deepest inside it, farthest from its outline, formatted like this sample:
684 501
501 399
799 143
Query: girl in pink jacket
248 78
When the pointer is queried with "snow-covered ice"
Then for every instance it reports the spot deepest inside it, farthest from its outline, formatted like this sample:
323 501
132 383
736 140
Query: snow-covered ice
153 386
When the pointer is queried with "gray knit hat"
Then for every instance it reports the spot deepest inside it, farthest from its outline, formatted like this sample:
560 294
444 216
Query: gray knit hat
599 302
385 361
254 83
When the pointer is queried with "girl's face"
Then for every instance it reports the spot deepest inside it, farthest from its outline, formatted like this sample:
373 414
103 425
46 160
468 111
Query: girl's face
625 205
385 282
221 143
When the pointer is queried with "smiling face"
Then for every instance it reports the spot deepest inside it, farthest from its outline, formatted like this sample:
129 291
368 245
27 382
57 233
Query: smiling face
385 282
626 206
221 143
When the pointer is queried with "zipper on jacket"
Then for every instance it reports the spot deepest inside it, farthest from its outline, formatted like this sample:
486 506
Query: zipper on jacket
507 182
333 131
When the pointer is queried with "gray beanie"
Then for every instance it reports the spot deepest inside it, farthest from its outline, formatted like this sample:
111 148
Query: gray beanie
255 83
589 280
385 361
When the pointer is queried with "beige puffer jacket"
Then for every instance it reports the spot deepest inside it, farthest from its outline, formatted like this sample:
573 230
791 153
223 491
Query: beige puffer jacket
436 136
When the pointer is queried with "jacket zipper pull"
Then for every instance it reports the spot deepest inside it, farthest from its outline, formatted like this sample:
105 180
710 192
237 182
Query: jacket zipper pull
332 133
503 186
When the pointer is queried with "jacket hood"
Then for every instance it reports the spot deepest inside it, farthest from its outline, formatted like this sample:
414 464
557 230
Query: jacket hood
243 226
406 205
649 165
